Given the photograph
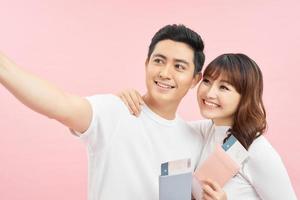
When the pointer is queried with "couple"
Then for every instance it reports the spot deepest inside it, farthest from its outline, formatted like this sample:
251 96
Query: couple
125 152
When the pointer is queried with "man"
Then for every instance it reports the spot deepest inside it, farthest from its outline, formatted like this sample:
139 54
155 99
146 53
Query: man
125 152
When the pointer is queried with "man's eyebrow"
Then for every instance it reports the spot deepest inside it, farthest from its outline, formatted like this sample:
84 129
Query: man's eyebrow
159 55
176 60
182 61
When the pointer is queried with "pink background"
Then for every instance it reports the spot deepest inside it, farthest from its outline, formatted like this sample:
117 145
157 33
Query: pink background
89 47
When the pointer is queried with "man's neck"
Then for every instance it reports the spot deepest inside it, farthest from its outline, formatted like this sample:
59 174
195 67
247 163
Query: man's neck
163 109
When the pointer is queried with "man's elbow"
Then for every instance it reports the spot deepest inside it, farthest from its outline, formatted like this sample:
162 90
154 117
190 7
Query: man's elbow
78 118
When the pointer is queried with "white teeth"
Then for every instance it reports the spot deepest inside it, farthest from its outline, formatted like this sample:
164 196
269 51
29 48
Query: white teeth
210 104
163 85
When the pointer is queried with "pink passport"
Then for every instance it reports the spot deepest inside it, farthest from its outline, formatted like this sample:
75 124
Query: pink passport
218 167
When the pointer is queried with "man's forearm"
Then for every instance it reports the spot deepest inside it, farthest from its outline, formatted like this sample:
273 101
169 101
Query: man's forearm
40 95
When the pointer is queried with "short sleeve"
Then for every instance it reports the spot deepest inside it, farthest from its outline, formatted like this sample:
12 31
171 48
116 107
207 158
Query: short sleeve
107 110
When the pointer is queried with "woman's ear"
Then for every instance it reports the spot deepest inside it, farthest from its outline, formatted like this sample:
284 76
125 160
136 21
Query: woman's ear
196 79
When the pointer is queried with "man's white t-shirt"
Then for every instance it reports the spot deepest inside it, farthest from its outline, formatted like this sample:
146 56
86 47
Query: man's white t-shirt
125 152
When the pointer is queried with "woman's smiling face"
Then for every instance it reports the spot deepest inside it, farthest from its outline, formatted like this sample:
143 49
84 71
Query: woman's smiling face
218 100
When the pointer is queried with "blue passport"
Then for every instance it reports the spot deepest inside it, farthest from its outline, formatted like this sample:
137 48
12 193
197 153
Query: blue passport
175 187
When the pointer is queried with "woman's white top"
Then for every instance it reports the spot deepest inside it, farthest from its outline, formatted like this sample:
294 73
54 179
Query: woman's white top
262 175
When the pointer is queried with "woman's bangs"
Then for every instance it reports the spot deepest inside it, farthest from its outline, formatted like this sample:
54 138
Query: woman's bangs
215 71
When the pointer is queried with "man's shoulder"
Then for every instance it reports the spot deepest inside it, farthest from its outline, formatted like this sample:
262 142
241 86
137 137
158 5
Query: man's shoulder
107 103
200 125
103 98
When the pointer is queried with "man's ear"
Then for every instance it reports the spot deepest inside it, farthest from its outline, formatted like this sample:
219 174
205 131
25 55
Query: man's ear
196 79
146 62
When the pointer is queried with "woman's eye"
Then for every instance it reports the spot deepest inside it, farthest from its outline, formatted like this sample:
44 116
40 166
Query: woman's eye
223 87
206 81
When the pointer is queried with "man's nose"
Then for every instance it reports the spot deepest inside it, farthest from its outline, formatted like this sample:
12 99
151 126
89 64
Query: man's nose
165 72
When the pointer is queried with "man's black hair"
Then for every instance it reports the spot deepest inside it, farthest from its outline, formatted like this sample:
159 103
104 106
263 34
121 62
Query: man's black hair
180 33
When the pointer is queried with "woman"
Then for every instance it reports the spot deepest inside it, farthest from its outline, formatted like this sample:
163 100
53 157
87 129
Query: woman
230 97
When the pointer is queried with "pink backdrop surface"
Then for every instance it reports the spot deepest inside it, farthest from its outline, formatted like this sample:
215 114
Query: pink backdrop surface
89 47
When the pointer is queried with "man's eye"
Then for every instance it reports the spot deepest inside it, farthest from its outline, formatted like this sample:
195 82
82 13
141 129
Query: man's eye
158 61
180 67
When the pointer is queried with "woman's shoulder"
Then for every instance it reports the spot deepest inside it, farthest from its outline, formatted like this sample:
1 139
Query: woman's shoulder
262 152
260 144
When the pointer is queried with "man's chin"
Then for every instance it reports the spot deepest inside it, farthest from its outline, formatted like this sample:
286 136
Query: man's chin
166 99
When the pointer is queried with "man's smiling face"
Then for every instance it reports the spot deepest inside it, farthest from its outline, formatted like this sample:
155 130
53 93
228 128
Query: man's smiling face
170 72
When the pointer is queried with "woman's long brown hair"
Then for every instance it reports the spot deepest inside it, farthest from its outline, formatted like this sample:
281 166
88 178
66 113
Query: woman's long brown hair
246 77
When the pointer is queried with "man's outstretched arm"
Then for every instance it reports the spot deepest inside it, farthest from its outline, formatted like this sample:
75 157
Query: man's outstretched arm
41 96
